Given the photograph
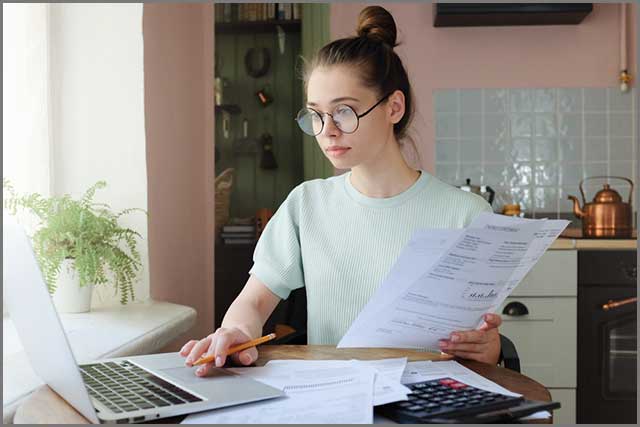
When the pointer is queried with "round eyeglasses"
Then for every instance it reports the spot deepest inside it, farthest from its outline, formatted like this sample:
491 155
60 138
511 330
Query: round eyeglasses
344 117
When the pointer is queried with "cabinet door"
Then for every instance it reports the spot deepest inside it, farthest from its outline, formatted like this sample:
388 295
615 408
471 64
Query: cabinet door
545 338
555 274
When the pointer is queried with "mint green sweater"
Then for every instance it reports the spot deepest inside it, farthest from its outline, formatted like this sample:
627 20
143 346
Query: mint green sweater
340 244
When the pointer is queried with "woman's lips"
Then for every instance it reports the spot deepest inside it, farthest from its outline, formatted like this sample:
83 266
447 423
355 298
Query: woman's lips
337 151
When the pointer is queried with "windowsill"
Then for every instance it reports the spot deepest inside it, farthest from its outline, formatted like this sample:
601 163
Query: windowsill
136 328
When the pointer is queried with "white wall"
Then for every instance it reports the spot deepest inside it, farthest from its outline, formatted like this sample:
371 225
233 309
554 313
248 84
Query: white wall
98 113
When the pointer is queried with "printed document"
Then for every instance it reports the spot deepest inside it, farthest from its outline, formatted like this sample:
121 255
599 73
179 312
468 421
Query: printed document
322 395
387 387
445 280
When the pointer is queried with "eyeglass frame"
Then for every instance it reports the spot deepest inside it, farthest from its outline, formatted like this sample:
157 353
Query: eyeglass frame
358 116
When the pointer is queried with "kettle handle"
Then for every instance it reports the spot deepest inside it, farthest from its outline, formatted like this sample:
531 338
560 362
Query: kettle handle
584 201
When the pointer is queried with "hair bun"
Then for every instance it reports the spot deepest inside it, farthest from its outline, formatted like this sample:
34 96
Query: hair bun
376 23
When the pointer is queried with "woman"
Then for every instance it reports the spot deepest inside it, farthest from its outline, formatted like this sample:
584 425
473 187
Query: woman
340 236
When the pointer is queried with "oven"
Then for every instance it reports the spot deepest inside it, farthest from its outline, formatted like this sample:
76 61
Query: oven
607 337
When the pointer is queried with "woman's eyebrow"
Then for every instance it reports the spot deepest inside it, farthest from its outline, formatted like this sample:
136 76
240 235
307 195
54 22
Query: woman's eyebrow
335 101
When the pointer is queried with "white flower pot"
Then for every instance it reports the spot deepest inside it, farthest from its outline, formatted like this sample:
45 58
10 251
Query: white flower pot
69 297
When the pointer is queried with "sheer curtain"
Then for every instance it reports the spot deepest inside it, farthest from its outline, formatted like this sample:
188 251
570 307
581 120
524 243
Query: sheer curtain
26 129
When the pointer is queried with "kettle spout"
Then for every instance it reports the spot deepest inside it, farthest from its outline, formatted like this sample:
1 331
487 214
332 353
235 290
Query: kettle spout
577 211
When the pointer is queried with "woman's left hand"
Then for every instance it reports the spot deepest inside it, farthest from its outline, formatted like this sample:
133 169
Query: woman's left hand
482 344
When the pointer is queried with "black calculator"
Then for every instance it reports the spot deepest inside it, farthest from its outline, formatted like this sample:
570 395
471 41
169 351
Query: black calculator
446 400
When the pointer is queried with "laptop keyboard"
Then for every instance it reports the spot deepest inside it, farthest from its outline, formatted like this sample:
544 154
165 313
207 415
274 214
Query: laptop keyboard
444 398
125 387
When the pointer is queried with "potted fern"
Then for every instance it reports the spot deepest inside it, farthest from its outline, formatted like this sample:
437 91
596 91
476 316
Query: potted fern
79 244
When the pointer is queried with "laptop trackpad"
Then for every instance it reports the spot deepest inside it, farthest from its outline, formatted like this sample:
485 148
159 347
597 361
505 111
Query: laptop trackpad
188 375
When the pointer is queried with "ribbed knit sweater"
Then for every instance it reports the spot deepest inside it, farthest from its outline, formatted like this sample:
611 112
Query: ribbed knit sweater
341 244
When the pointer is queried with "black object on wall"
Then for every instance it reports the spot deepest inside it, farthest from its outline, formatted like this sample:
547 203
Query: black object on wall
502 14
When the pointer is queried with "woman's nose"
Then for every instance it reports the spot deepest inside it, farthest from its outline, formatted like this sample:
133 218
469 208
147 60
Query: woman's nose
330 128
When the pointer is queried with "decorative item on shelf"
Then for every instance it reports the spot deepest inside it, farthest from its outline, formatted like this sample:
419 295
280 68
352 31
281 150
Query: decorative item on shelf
479 189
239 231
263 215
512 210
263 97
268 160
257 62
80 244
223 187
607 216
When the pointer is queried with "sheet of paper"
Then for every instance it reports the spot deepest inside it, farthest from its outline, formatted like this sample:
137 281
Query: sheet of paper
313 396
387 386
476 271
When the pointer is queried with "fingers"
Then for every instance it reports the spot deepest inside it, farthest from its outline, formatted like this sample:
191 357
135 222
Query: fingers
245 357
491 321
186 349
197 350
476 337
225 339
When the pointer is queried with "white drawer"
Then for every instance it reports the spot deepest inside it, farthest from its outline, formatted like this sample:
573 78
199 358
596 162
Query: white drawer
567 398
545 338
555 274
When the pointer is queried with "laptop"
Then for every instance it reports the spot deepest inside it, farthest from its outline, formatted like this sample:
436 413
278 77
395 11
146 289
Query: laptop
119 390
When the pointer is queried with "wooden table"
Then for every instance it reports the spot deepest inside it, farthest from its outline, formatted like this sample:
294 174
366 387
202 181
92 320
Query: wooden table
45 406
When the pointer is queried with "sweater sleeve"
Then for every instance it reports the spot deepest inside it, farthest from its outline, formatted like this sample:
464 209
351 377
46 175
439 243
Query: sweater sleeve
277 259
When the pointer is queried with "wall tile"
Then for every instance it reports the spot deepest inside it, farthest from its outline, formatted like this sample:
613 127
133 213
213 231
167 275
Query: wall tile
595 149
619 101
621 149
545 149
620 124
446 101
447 125
595 124
535 145
521 100
570 100
471 150
471 100
570 149
495 126
545 125
570 125
595 99
471 126
544 100
495 100
447 151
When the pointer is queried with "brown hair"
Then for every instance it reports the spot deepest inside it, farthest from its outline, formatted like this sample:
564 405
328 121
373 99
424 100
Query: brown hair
371 52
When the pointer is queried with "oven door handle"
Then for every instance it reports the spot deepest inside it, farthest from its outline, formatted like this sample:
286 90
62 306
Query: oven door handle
614 304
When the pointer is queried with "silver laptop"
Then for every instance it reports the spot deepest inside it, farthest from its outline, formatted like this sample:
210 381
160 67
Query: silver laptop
120 390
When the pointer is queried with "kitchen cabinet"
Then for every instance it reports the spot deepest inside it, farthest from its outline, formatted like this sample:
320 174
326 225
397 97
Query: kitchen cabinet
543 327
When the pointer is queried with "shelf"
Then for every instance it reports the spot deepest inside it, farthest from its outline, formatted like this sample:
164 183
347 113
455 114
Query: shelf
289 26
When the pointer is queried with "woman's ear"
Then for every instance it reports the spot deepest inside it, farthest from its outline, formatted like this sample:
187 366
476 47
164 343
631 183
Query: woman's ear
395 106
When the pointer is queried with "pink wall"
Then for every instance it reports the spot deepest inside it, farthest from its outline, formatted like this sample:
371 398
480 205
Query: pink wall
178 83
585 55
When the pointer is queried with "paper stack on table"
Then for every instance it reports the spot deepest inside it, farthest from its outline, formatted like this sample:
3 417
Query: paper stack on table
445 280
315 394
337 391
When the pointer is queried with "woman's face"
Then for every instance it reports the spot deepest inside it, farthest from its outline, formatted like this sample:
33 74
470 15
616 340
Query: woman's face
329 87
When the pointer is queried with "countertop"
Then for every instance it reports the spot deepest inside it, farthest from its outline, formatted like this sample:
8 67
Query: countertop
571 239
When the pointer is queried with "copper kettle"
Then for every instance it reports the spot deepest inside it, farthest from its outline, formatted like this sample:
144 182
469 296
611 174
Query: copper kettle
607 216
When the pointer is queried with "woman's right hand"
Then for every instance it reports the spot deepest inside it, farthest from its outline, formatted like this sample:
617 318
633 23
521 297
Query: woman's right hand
217 345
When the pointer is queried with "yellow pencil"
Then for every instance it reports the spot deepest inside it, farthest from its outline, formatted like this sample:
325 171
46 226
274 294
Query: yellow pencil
240 347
